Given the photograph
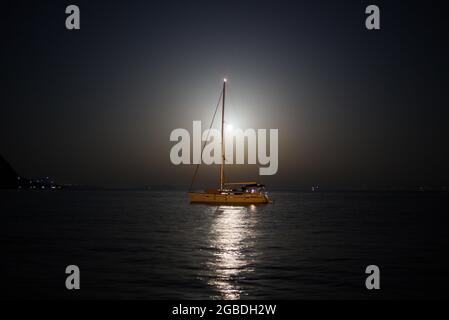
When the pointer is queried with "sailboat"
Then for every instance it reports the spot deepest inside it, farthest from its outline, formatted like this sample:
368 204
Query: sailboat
243 193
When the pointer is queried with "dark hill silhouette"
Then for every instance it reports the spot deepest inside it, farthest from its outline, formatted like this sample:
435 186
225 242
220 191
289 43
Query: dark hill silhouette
8 176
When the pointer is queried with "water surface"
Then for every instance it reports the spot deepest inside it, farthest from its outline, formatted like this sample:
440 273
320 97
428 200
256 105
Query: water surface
154 245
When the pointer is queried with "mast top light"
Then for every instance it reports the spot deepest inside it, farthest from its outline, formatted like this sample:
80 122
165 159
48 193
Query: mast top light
225 80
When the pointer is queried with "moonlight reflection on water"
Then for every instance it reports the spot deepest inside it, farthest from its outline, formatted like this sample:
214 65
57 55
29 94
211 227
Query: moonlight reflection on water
232 238
307 246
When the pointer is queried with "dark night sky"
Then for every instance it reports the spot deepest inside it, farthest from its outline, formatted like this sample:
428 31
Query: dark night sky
353 107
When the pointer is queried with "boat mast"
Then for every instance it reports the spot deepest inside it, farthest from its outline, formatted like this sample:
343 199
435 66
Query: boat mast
222 138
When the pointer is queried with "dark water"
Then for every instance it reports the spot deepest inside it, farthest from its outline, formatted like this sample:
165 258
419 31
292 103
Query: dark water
154 245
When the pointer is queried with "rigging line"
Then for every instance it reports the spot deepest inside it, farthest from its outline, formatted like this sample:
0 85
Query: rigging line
207 138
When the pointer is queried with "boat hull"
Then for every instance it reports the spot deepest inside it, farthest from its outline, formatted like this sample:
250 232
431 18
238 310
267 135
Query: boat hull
245 198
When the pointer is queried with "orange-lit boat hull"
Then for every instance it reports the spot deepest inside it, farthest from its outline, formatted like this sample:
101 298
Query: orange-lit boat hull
228 198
